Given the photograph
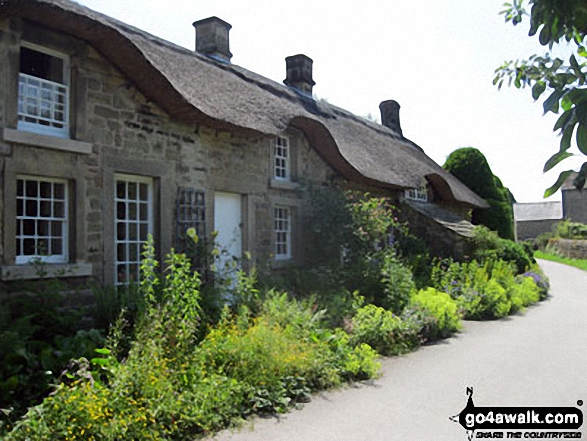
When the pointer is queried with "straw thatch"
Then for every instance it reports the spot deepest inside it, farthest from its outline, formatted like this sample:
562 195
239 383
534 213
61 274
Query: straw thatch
194 88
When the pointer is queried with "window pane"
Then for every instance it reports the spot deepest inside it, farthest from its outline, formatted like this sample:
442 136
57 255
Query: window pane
29 247
58 210
120 210
46 190
132 231
132 190
29 227
59 191
144 194
31 189
121 252
43 228
56 246
120 190
120 230
45 209
132 211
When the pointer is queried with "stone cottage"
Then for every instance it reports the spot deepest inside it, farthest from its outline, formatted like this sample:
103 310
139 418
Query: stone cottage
108 134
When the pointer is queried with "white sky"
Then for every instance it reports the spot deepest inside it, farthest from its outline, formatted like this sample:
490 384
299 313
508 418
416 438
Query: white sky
436 58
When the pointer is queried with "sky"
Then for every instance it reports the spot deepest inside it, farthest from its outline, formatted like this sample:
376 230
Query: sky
436 58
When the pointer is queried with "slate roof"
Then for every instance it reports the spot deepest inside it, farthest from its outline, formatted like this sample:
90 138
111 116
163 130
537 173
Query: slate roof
535 211
195 88
443 217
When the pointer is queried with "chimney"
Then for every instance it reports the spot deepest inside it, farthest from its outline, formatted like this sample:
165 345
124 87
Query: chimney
212 38
299 73
390 115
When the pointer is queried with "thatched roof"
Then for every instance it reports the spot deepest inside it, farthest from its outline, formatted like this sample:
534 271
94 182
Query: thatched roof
194 88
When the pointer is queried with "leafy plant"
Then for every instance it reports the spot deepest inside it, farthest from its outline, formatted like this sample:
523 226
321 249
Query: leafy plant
440 306
385 332
554 21
398 284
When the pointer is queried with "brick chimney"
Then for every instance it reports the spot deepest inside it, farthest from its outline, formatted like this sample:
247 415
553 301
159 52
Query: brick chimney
390 115
212 38
299 73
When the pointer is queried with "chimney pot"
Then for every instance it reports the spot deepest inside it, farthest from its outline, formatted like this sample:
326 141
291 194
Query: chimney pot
299 73
390 115
212 38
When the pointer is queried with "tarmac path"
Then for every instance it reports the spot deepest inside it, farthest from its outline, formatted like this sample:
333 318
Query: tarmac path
538 358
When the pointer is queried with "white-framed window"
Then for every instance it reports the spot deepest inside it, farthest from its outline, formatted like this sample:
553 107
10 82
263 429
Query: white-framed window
41 220
282 229
43 91
133 207
418 194
281 159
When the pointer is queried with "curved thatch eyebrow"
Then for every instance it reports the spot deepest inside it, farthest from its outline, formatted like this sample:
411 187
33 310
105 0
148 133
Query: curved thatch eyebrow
196 89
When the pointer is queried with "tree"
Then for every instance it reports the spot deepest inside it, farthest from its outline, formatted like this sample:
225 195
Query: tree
470 166
555 21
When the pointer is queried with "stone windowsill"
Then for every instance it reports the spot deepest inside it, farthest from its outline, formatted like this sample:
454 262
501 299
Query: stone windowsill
48 270
45 141
283 263
283 185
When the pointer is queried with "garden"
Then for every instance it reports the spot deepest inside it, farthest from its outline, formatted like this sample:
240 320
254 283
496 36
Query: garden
171 359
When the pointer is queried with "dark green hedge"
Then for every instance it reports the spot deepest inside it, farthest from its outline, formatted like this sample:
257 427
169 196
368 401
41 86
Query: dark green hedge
470 167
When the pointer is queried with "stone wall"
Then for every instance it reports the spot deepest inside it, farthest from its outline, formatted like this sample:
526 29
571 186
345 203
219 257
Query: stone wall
129 134
532 229
441 240
574 249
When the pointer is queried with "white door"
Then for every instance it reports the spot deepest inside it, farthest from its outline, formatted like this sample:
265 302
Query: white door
227 222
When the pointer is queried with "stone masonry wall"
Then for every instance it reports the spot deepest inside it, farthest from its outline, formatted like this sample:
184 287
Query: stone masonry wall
131 135
574 249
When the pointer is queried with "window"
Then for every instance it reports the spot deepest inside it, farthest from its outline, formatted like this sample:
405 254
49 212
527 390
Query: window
418 194
282 228
133 201
281 155
41 220
43 92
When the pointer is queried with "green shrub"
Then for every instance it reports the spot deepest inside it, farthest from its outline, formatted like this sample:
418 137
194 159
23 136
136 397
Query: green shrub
440 306
478 295
398 284
169 387
470 166
385 332
570 230
39 334
488 246
524 292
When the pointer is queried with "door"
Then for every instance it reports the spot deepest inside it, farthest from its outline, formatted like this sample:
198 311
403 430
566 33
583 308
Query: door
227 222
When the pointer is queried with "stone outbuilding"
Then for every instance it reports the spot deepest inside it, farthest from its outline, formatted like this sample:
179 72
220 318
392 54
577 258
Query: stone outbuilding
535 218
108 134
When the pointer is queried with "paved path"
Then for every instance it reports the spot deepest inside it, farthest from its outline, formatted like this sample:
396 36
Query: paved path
539 358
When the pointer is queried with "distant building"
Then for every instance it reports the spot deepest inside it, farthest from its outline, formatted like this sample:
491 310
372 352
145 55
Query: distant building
535 218
574 201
